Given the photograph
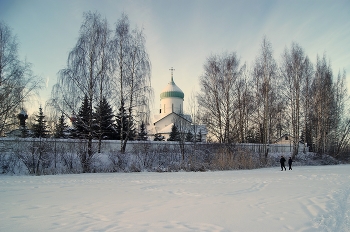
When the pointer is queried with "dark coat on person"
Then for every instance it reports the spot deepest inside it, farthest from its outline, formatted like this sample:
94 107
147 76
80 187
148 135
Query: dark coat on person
290 161
282 160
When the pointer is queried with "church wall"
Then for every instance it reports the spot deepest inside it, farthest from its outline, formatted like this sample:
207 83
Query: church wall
164 122
171 104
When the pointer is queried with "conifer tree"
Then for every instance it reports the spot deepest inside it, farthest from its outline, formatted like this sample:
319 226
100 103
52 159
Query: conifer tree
61 128
174 134
104 124
142 134
40 127
126 122
81 129
189 137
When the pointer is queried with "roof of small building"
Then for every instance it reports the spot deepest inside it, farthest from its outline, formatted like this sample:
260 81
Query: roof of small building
286 137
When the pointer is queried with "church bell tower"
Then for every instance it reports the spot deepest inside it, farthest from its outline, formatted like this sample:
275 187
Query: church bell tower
171 98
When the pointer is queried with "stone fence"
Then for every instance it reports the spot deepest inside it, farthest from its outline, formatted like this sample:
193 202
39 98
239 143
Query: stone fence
8 144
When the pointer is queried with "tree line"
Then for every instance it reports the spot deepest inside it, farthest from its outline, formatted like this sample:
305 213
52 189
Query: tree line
108 129
271 99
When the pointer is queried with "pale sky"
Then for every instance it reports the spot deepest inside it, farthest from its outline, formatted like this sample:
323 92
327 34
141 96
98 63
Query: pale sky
183 33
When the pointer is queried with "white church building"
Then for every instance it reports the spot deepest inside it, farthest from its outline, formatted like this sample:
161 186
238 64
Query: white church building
171 112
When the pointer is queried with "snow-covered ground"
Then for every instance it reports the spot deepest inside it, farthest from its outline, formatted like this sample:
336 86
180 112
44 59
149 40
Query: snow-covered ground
308 198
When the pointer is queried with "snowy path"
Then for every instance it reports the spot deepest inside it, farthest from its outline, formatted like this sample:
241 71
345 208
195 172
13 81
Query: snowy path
305 199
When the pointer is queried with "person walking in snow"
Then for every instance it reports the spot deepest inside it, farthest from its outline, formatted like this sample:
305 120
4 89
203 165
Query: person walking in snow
282 161
290 161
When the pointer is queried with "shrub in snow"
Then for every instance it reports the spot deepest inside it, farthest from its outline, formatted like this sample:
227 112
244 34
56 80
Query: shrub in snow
145 156
35 155
119 162
9 164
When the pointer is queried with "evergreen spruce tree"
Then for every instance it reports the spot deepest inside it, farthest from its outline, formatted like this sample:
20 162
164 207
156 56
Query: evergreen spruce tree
81 121
104 124
174 134
189 137
142 134
123 120
61 128
40 127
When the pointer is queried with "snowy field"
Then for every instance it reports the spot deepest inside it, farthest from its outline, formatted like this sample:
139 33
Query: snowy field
308 198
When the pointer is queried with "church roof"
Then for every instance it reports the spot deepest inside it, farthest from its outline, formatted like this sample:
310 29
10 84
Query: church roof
172 90
183 116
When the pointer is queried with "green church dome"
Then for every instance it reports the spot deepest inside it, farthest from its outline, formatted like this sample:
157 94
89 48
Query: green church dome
172 90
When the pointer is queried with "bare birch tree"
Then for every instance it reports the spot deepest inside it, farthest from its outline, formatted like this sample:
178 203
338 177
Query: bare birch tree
306 104
342 129
264 75
243 105
295 73
194 128
217 95
17 82
323 106
131 76
85 75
